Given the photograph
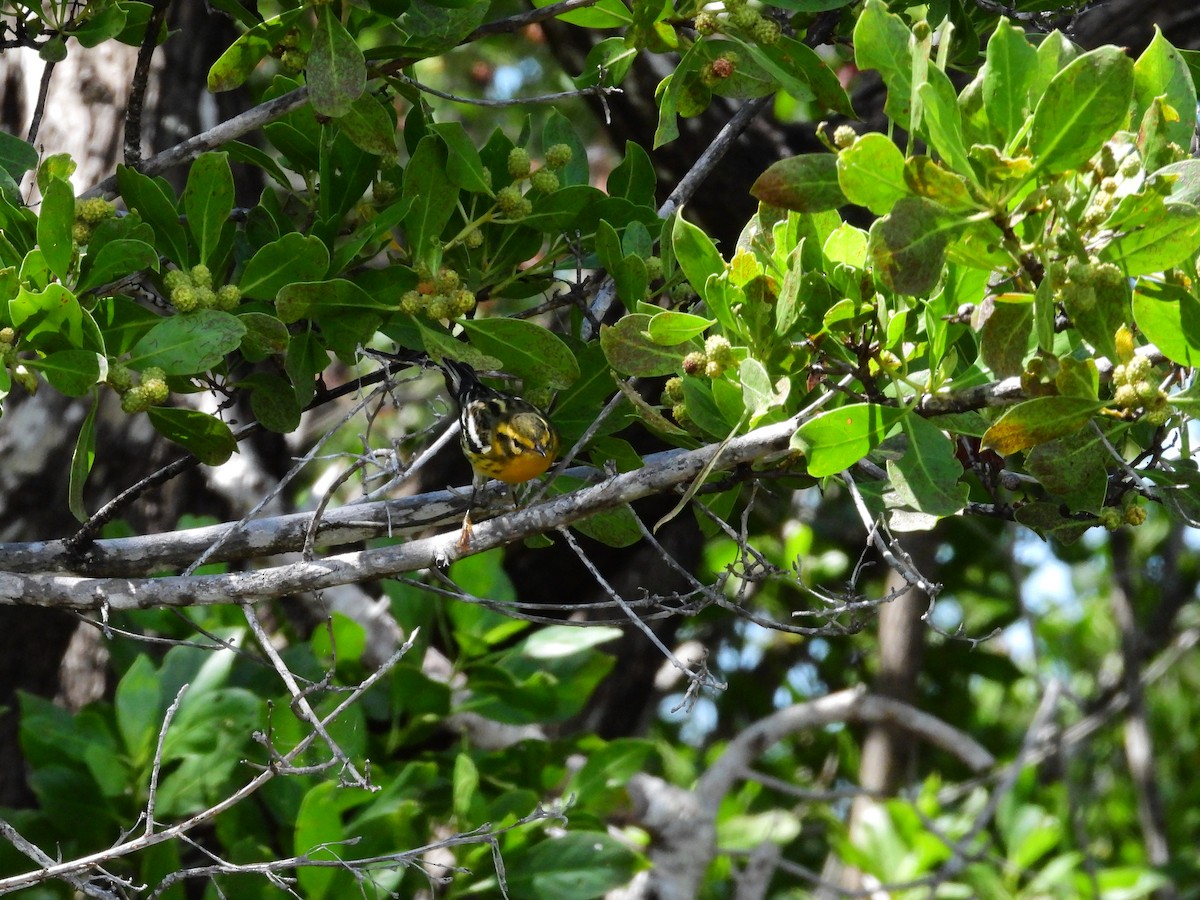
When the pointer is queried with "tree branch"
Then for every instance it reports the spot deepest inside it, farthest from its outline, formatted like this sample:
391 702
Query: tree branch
670 469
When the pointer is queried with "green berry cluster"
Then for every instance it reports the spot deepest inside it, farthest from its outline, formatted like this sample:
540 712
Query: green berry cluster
719 69
519 164
713 360
673 397
150 390
290 54
1134 388
511 203
439 296
22 375
740 16
193 290
1129 513
88 214
384 191
844 136
1081 285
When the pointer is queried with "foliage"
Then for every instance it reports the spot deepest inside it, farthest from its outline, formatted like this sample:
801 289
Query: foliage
1012 337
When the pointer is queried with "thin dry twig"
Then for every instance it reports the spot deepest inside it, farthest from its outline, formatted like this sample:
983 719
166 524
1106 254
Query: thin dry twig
698 679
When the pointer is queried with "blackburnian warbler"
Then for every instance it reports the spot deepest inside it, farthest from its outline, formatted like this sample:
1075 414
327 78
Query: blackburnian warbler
503 437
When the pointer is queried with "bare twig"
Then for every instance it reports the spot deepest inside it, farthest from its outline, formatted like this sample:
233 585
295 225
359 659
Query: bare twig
595 90
39 109
139 83
696 679
156 768
300 702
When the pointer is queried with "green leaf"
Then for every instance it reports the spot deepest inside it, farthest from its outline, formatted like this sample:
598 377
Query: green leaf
746 831
1037 421
1083 106
556 641
47 318
435 26
292 258
106 23
205 437
433 197
70 372
1164 242
55 165
234 66
306 358
699 259
137 704
187 345
1170 318
926 477
634 177
203 746
837 439
54 226
582 865
802 73
603 14
847 245
16 156
1004 339
265 336
883 42
630 350
115 260
314 299
943 120
699 396
807 183
82 458
1161 72
465 785
631 279
1073 468
560 130
208 202
318 831
368 124
927 178
613 527
564 209
464 165
908 245
273 401
871 173
337 71
538 356
676 327
1007 75
759 395
154 201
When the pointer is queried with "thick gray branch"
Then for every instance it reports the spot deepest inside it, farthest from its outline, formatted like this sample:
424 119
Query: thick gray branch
73 592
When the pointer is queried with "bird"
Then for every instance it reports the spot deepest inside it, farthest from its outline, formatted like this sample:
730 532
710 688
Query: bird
502 436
